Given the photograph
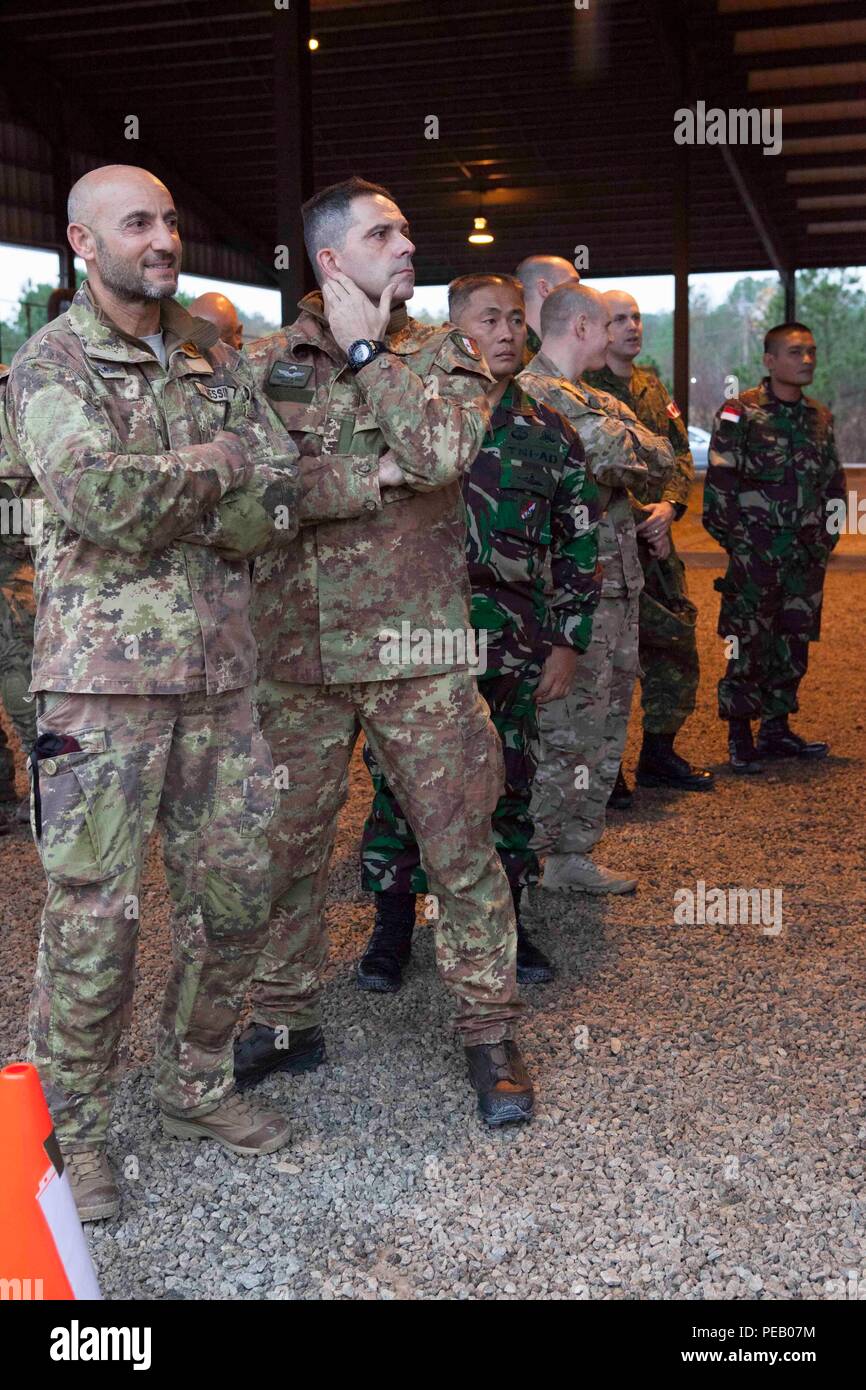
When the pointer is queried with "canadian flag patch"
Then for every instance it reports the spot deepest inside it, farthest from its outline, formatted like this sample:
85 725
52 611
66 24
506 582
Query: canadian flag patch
673 410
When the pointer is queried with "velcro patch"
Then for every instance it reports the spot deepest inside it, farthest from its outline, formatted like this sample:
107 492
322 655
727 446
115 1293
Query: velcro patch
673 410
468 345
216 393
289 374
731 413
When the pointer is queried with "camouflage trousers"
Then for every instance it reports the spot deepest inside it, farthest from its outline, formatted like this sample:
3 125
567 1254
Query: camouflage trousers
16 657
772 608
583 736
433 739
390 861
671 670
198 766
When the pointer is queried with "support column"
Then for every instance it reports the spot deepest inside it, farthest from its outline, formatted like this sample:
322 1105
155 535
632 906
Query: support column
294 149
61 179
789 286
681 282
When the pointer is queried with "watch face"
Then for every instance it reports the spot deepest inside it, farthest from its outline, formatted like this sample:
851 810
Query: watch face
360 352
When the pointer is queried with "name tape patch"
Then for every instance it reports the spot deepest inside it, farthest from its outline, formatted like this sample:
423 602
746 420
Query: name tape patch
219 394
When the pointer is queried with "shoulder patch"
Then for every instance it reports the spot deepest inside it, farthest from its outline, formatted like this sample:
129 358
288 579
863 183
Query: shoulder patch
732 411
467 345
673 410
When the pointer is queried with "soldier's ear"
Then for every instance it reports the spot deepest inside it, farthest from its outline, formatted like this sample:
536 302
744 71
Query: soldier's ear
326 260
768 359
81 240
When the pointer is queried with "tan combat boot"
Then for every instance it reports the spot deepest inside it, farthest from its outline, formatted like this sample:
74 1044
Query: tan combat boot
576 873
236 1123
92 1182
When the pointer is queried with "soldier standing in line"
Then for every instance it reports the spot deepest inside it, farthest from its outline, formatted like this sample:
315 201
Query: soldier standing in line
668 645
16 638
539 275
387 414
583 735
156 462
773 473
220 311
528 501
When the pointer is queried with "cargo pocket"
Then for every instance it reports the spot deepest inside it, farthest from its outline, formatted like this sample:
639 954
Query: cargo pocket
483 768
259 791
86 835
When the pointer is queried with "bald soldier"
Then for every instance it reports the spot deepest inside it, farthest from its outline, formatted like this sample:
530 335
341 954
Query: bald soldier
582 735
366 626
220 311
668 647
539 275
160 470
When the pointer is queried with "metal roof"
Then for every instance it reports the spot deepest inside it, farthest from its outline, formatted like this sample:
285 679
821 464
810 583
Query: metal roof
556 123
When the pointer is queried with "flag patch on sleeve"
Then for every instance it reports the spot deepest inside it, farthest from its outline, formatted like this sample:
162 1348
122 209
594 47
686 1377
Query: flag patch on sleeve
732 413
673 410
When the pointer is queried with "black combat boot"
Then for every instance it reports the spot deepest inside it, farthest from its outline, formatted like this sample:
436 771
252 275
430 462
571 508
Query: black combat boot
381 966
533 966
741 747
259 1050
660 766
501 1081
621 795
776 740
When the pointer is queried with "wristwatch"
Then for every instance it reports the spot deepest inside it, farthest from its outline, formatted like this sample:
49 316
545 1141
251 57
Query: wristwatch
363 350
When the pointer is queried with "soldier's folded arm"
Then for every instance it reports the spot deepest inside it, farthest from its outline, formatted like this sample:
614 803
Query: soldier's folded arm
575 574
331 487
262 513
434 425
721 514
118 501
679 484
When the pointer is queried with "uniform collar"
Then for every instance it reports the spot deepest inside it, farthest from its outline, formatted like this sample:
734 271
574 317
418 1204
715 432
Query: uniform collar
103 340
768 399
312 306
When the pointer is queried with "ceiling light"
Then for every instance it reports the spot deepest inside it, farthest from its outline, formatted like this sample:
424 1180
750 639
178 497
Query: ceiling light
480 236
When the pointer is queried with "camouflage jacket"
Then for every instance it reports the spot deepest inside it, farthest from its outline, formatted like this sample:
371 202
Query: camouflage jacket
773 468
129 458
621 454
528 496
323 610
14 482
647 397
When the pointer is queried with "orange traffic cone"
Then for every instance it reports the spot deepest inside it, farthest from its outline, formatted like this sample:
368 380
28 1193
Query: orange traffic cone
43 1253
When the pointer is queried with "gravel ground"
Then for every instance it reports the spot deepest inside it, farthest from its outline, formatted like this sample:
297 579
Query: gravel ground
700 1127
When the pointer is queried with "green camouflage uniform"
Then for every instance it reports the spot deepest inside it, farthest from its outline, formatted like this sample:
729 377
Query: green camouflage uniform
668 659
583 735
773 469
16 625
326 615
522 497
144 661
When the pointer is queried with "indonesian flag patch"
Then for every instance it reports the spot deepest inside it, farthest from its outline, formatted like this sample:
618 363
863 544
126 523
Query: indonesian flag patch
731 412
673 410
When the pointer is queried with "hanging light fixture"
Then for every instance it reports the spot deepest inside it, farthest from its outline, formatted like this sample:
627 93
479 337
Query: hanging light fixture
480 235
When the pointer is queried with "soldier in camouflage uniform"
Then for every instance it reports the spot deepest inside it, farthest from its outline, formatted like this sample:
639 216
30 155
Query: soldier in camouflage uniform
773 476
528 501
583 735
387 414
539 275
16 636
668 645
159 468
